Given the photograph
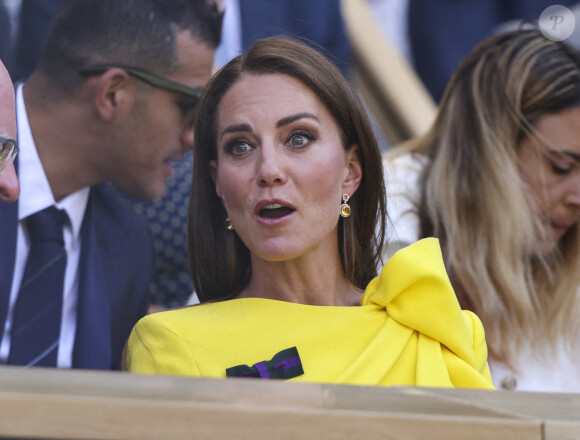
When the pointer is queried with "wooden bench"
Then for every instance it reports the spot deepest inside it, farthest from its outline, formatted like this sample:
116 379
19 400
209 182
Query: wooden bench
60 404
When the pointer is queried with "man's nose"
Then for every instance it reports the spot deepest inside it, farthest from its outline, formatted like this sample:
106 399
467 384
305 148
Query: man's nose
187 137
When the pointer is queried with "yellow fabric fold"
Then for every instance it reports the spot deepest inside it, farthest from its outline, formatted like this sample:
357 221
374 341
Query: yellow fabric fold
409 330
416 291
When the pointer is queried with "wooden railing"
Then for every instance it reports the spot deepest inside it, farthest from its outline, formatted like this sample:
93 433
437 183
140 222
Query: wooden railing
58 404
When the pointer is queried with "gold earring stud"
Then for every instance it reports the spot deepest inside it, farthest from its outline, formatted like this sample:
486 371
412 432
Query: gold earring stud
345 207
229 225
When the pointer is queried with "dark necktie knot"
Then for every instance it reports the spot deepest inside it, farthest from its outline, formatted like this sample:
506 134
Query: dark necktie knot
46 225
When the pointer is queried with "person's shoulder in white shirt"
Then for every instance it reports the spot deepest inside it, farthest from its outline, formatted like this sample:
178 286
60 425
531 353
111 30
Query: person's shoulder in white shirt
402 183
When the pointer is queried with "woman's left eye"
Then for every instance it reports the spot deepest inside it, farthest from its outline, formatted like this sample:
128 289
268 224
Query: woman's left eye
300 139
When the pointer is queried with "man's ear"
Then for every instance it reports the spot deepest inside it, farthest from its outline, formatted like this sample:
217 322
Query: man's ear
353 170
114 93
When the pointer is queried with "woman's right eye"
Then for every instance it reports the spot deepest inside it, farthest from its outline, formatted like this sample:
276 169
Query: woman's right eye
559 169
239 147
560 165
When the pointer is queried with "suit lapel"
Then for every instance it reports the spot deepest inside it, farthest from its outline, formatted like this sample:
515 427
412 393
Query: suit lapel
9 228
93 336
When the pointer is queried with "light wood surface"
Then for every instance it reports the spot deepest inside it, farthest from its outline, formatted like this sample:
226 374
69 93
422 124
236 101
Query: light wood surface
60 404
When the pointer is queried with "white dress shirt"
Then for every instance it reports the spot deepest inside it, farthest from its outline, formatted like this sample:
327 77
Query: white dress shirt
35 195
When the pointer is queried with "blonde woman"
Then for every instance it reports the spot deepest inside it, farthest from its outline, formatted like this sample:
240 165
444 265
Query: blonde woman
497 180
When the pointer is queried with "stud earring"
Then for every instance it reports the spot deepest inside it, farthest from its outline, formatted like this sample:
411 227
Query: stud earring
345 207
229 225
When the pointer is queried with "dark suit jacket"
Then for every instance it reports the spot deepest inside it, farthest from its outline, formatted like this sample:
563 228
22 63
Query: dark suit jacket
5 41
443 32
35 19
115 267
318 21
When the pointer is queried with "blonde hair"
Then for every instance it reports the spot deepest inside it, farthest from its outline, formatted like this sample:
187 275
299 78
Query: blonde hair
474 200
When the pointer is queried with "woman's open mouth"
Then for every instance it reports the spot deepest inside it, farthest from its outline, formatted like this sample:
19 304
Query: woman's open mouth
274 210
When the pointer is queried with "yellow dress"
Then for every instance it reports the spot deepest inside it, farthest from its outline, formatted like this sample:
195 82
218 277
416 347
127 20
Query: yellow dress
409 330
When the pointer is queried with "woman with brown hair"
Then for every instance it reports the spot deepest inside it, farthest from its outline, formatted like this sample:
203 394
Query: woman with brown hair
497 180
286 195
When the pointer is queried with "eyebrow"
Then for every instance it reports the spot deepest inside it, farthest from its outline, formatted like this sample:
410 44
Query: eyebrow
281 123
236 128
288 120
574 156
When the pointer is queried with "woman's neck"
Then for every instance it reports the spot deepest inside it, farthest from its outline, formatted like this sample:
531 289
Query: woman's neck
321 283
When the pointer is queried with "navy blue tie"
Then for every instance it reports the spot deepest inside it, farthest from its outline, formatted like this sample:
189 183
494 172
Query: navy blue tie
37 315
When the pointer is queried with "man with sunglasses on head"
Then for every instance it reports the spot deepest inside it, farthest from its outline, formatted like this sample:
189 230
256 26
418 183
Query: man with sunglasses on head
9 187
110 102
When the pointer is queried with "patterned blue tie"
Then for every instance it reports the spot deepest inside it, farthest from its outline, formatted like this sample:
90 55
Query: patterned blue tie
37 315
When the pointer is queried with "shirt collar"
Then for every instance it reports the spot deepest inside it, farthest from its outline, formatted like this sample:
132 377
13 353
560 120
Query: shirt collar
35 192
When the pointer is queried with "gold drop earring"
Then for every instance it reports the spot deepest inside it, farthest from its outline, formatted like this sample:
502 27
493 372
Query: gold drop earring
229 225
345 207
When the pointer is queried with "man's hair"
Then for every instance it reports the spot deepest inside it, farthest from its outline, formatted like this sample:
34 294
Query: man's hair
136 33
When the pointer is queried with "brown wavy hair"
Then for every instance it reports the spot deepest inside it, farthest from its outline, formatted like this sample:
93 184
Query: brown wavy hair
219 261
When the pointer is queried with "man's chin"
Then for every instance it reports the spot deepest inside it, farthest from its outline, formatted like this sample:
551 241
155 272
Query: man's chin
144 192
151 195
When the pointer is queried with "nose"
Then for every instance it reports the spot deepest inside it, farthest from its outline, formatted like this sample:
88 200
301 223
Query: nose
9 186
573 193
270 167
187 136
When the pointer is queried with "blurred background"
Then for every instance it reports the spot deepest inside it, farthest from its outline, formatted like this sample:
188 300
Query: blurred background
399 54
